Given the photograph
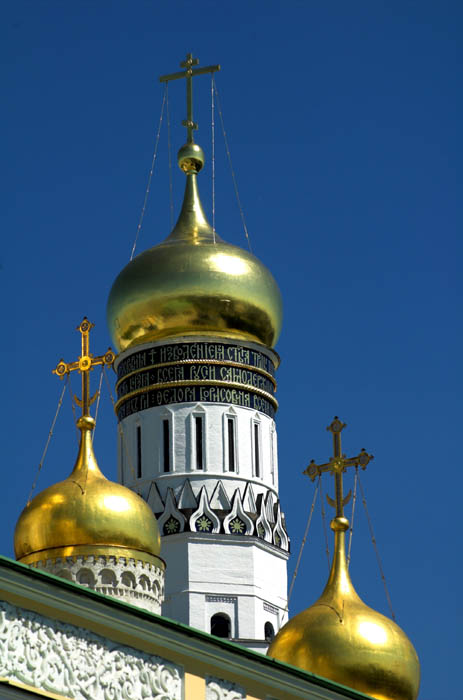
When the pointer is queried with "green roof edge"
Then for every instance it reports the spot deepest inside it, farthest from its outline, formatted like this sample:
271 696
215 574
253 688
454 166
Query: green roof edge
33 572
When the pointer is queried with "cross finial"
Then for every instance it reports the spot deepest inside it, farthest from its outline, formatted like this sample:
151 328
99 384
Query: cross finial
337 466
189 73
85 364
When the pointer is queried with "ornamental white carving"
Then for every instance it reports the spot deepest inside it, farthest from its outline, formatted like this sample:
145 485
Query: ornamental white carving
218 689
237 522
136 582
76 663
221 598
172 520
204 519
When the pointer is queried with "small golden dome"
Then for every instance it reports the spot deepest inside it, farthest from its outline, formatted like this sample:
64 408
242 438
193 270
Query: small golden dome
194 283
342 639
86 514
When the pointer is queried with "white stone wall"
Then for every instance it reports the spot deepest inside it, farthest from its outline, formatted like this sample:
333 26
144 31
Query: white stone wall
248 569
182 448
244 578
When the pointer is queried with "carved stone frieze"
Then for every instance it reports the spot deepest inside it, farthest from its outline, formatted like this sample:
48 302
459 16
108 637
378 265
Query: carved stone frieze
219 689
71 661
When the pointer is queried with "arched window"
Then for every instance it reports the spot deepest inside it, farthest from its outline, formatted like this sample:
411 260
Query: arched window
220 625
269 632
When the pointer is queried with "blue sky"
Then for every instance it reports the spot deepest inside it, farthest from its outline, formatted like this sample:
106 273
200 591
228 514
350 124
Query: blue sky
342 125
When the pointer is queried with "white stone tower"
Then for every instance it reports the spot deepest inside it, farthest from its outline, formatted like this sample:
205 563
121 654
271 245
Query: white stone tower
195 320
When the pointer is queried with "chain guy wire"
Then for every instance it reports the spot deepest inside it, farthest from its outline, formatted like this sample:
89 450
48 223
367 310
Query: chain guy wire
60 403
213 152
98 401
120 429
322 503
354 500
169 149
296 569
73 406
370 527
150 175
231 165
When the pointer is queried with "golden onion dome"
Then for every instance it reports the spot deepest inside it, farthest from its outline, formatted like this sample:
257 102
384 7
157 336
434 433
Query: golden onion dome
193 283
86 514
342 639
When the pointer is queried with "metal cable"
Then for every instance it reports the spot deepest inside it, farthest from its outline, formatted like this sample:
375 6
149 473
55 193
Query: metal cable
74 414
293 581
231 165
60 403
98 401
149 176
213 153
370 527
169 149
120 429
322 502
354 499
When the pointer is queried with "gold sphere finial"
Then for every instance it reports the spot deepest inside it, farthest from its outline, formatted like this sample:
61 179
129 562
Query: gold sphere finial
339 524
191 158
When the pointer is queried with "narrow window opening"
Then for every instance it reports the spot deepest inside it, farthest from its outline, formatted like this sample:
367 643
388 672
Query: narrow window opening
256 449
220 626
231 445
269 632
138 452
166 444
199 442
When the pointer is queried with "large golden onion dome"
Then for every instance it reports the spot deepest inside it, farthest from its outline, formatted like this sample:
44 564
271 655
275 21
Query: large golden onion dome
341 638
194 283
86 514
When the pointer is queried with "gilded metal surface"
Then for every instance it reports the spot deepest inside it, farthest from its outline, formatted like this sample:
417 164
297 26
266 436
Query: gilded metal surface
86 513
337 466
197 382
341 638
85 364
194 284
86 509
188 74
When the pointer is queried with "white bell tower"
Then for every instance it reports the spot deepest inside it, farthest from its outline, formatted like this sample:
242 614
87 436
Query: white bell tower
195 319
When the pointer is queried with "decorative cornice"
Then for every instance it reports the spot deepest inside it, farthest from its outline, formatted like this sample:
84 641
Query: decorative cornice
259 517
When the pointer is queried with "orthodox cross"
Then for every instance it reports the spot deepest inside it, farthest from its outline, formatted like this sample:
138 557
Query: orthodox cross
85 364
189 73
337 466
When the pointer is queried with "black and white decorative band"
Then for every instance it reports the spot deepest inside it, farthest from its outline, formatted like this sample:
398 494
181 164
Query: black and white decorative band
200 393
185 372
196 352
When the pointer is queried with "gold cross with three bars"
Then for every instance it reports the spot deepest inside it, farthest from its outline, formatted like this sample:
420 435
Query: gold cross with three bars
189 73
337 466
85 364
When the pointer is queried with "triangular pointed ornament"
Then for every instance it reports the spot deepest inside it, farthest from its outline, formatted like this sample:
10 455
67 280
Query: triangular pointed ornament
154 499
249 501
187 498
219 499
